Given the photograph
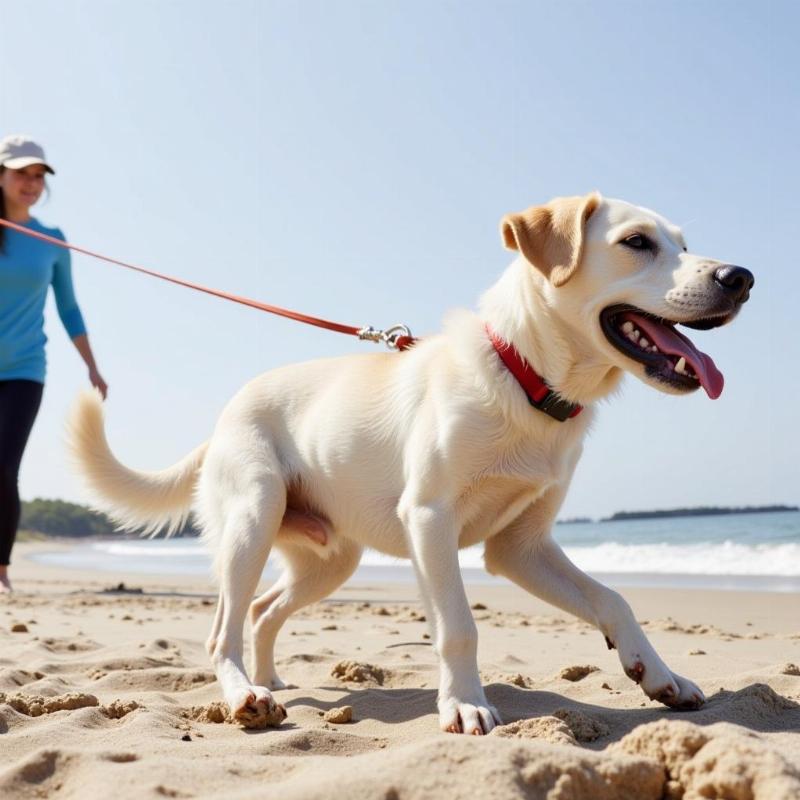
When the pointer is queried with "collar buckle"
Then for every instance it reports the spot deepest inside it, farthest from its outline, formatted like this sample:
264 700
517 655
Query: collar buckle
539 394
555 406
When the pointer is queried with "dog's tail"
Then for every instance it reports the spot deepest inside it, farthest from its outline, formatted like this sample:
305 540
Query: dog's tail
134 499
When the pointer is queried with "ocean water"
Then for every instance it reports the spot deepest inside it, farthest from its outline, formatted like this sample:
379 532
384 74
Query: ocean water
744 551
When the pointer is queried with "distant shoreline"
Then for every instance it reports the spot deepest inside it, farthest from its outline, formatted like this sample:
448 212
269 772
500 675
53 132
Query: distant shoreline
700 511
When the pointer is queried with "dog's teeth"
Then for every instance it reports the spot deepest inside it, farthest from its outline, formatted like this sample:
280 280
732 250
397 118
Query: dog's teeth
627 327
680 366
634 335
644 343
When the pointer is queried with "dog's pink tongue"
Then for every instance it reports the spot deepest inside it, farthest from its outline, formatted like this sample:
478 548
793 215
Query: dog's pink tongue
668 340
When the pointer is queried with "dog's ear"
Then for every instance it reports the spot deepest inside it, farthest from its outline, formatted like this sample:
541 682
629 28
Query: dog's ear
551 236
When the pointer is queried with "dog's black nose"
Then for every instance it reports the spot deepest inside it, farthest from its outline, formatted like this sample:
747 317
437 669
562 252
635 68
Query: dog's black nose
736 281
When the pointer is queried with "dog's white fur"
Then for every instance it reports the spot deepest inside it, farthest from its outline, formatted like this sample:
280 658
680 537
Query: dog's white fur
421 453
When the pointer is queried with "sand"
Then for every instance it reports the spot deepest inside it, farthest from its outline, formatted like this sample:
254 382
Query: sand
107 694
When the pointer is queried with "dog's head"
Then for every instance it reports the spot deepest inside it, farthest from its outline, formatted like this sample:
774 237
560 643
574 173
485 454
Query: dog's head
622 277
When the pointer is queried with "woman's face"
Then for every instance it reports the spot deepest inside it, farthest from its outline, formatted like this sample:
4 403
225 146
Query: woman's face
23 187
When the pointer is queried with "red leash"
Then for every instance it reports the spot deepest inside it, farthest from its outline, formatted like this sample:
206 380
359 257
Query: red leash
397 337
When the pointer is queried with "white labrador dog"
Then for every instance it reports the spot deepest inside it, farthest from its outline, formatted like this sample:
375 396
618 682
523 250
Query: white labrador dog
420 453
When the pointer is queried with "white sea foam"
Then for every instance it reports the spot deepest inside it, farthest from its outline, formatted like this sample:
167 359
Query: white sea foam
700 558
151 548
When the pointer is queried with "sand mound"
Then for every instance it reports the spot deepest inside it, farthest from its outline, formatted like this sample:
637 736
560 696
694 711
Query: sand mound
458 766
117 709
512 678
216 712
35 705
549 729
757 706
359 672
583 727
339 715
713 763
577 672
563 726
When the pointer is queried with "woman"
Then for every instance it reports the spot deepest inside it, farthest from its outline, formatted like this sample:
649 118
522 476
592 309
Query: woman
28 267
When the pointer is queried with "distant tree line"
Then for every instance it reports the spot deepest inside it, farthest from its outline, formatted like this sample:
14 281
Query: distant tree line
700 511
59 518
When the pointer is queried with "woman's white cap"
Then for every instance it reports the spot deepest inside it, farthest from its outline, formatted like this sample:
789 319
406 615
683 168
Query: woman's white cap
19 151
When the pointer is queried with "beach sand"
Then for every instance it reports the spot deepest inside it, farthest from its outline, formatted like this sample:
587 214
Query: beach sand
109 694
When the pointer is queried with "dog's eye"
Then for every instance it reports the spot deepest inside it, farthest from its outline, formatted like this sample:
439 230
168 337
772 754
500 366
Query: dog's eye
636 241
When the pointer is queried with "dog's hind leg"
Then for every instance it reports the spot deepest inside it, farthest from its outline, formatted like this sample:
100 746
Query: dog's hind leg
251 509
308 577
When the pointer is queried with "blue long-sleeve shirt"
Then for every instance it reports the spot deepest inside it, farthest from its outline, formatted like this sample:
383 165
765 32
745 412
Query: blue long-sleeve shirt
28 267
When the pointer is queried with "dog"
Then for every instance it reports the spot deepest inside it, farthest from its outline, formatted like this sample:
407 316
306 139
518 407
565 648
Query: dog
469 436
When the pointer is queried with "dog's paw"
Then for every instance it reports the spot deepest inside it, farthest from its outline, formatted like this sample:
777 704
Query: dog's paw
688 696
667 687
254 707
476 718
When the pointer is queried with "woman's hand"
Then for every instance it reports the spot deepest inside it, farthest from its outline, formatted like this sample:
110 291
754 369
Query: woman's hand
97 381
82 345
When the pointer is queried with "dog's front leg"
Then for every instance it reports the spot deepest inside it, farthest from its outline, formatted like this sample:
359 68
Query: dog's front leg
535 562
433 542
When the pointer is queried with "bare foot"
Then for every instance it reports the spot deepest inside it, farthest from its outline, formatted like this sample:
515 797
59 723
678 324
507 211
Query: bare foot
5 583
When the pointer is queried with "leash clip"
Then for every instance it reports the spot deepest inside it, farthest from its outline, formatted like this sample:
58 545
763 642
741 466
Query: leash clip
390 337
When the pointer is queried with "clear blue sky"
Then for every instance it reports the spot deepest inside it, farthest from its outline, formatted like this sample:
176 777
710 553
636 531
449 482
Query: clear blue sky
353 159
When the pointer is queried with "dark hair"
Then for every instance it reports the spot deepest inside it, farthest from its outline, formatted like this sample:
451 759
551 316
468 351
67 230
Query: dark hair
3 211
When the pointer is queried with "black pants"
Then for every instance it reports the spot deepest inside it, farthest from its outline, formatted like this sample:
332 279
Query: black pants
19 404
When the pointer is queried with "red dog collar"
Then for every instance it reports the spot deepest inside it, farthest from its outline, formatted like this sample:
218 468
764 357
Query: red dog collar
539 394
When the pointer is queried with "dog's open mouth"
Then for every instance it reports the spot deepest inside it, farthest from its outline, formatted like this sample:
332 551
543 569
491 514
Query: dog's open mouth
667 355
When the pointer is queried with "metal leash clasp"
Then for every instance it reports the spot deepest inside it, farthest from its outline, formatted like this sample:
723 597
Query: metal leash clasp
389 337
